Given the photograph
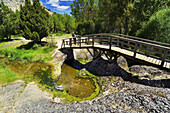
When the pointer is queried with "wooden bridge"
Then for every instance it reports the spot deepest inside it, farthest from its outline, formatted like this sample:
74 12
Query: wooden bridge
112 46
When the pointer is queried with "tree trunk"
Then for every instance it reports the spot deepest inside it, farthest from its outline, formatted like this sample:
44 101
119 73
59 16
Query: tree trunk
126 25
120 32
9 37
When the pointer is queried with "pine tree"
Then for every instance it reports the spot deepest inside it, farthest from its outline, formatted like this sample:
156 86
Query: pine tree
34 21
9 22
70 23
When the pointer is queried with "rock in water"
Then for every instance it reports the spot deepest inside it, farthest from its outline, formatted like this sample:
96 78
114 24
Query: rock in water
121 61
59 87
82 54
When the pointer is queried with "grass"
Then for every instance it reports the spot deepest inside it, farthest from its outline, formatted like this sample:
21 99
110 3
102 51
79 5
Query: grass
64 94
59 34
16 59
34 53
70 98
16 36
11 70
24 61
3 43
6 75
83 61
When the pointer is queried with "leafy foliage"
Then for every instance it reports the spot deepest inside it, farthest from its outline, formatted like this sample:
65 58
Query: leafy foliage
64 23
34 21
120 16
158 27
30 52
9 22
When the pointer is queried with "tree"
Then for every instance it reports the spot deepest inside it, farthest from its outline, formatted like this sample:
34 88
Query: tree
70 23
143 10
9 22
115 16
51 23
158 27
34 21
86 14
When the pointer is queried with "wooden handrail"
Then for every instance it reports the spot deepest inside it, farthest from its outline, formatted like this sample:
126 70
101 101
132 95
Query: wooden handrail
146 40
124 41
132 40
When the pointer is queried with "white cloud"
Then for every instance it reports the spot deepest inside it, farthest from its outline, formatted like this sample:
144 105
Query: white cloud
52 1
67 0
60 8
55 3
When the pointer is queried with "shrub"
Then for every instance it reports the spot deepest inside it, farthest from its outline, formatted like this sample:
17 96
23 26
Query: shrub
157 28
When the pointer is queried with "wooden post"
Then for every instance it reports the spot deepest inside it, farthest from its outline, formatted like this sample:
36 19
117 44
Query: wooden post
117 41
149 49
62 44
122 45
110 43
70 42
140 47
128 43
134 55
80 42
93 42
100 40
90 52
88 40
115 56
164 57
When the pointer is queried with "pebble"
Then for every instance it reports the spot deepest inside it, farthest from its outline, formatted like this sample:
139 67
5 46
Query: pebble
126 102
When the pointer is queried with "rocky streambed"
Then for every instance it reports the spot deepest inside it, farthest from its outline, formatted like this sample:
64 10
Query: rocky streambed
131 97
117 95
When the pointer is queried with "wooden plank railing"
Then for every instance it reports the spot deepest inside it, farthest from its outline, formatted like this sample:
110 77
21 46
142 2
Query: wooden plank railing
145 40
149 48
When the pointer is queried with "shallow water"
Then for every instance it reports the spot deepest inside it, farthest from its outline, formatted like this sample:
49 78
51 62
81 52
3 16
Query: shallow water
25 68
75 86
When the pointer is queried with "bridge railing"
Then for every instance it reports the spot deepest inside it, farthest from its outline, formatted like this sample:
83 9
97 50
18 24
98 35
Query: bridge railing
136 45
145 40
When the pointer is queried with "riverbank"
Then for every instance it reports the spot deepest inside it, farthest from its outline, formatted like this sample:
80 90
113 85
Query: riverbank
116 95
20 97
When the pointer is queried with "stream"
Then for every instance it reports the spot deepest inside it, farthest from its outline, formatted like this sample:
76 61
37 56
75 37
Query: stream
76 86
80 87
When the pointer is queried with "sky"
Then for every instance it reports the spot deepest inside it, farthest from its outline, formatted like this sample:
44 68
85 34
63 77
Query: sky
58 6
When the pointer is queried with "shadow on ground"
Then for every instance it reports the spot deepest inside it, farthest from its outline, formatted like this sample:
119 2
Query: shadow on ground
101 67
9 40
30 45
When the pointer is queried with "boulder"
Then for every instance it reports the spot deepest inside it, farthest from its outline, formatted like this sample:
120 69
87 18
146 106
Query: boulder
146 71
82 54
58 61
121 61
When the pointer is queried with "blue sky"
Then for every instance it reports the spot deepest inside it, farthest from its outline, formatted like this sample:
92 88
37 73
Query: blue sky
58 6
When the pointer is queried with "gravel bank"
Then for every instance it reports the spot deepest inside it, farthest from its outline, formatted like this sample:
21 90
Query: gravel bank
131 97
9 95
